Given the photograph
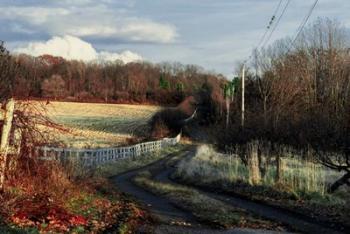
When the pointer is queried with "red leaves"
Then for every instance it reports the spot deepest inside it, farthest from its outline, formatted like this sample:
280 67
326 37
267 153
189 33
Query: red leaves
22 219
139 213
20 216
78 220
77 209
102 203
45 215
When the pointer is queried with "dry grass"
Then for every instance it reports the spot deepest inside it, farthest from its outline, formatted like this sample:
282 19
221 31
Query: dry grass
299 177
300 189
100 125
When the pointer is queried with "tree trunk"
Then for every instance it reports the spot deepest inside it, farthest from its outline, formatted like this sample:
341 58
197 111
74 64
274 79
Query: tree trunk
265 112
262 161
227 112
279 168
343 180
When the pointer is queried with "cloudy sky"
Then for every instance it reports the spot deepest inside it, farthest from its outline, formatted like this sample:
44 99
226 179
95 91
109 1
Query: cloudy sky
213 34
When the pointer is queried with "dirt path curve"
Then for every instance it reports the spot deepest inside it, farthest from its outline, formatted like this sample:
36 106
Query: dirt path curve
285 217
167 213
160 207
163 209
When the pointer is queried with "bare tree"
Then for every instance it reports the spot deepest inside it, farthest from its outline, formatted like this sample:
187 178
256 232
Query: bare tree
54 87
300 93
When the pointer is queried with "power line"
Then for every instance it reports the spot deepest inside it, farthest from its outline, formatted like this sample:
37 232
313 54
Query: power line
278 21
299 30
270 23
302 24
261 40
268 27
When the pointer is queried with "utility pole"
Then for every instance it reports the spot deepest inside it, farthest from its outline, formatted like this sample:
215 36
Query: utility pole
242 110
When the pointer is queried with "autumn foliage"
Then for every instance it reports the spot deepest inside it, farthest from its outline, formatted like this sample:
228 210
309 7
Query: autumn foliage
57 204
56 78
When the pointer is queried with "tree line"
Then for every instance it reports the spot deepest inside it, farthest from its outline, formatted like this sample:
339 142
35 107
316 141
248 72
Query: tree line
55 78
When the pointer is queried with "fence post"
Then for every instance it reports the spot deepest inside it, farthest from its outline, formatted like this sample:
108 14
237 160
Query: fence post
5 137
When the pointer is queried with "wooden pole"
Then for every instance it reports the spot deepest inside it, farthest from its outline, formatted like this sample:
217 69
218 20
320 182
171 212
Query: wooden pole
5 137
243 90
227 111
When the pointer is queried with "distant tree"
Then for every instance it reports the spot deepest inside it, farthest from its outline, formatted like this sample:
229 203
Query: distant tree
229 91
8 68
180 87
163 83
54 87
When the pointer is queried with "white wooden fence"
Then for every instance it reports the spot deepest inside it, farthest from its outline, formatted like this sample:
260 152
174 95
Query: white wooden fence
96 157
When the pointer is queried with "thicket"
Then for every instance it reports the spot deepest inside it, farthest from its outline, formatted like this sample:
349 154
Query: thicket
298 94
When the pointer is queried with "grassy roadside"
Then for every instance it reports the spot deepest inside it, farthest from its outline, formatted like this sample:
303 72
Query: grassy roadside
206 209
213 171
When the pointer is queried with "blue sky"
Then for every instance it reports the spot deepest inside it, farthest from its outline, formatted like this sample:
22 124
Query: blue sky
213 34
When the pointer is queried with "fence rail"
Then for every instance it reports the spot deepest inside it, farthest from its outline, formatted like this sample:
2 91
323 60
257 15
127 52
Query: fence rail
96 157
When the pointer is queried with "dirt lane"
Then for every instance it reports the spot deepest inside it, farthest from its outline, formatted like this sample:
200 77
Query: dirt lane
285 217
160 207
258 209
168 213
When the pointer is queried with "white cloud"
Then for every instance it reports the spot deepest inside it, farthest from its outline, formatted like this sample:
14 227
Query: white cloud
34 15
138 30
126 56
73 48
91 20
